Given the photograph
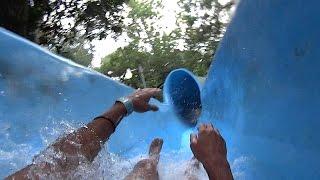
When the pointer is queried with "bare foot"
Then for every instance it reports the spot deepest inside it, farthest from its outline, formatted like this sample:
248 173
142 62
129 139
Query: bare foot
147 168
155 149
191 171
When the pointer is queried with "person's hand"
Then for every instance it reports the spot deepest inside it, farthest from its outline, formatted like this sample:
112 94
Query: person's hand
208 145
141 98
210 149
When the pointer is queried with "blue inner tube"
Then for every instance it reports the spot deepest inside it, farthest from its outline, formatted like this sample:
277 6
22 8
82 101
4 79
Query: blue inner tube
182 91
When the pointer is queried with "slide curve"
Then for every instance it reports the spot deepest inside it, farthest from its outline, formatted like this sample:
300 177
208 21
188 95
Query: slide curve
262 92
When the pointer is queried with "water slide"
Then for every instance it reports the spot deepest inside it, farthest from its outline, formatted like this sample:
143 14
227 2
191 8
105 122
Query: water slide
262 92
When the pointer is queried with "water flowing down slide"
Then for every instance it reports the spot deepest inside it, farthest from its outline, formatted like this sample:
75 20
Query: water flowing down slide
262 92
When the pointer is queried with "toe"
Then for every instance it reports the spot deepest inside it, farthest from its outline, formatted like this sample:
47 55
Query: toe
155 147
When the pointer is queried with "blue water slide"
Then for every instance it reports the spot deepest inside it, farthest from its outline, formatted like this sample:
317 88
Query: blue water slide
43 96
264 88
262 92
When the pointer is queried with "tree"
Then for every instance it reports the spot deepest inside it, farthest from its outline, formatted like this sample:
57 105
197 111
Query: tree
55 22
146 52
206 22
78 53
156 51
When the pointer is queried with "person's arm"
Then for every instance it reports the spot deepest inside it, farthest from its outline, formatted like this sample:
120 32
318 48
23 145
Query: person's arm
86 141
210 149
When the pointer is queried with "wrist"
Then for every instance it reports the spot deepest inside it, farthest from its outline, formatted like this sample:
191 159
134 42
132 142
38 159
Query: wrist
121 107
104 125
218 168
116 113
127 104
214 160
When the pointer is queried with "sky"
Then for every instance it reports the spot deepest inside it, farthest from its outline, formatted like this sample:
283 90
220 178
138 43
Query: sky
109 45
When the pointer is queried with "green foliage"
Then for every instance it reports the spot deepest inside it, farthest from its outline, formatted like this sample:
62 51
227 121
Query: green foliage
66 25
55 22
78 53
158 52
147 48
205 26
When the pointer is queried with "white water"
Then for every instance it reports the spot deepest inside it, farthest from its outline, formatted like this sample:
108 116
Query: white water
172 164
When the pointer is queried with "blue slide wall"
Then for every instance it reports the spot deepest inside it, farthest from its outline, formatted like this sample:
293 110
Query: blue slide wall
264 85
262 92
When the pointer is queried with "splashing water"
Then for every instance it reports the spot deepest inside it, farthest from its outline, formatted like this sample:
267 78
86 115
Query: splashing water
172 165
164 107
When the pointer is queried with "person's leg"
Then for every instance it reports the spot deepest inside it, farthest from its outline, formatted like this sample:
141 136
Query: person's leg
147 168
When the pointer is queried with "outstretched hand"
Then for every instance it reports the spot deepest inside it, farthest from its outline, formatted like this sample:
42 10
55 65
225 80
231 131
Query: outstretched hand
140 99
209 148
208 144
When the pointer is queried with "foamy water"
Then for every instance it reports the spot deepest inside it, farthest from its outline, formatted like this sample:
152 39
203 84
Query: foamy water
172 165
